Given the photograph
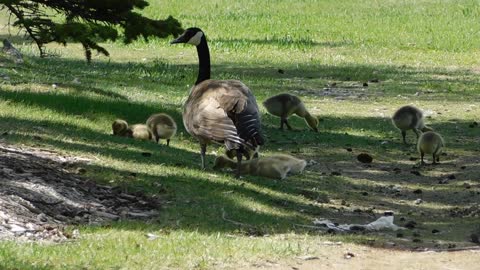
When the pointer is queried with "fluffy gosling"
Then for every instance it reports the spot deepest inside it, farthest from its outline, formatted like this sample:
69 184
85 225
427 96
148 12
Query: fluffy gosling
276 167
409 117
248 153
163 126
430 143
119 127
284 105
139 132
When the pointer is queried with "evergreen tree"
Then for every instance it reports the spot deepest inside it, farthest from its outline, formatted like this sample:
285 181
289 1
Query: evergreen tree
86 22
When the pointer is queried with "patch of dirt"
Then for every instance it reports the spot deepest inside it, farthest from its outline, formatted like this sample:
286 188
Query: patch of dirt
39 196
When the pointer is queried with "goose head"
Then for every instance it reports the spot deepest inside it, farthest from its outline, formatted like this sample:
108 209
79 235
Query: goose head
192 36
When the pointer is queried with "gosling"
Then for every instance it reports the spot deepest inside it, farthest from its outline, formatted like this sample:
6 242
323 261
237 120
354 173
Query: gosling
276 167
409 117
119 127
284 105
248 153
139 132
430 143
163 127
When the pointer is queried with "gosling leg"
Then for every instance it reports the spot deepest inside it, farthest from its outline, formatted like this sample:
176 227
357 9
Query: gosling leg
168 142
421 158
282 121
434 159
404 134
203 150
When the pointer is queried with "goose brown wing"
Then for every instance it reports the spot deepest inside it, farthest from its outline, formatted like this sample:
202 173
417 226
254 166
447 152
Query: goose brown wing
241 107
212 122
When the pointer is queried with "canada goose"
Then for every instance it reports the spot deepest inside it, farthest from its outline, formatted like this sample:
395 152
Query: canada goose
277 166
284 105
409 117
162 126
139 132
119 127
430 143
219 111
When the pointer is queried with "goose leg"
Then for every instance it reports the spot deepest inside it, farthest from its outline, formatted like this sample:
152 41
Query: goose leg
168 142
239 162
288 125
203 150
404 134
417 132
281 123
434 159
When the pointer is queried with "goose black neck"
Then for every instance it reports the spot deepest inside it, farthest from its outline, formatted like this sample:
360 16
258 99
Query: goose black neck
203 61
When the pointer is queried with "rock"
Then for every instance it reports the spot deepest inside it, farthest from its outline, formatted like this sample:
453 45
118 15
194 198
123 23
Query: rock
348 255
418 201
349 149
417 191
365 158
365 84
417 173
474 238
146 154
435 231
410 224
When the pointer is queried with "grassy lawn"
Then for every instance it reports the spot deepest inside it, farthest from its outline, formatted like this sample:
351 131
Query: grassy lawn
424 53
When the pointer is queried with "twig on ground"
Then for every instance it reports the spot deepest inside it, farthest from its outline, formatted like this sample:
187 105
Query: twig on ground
224 217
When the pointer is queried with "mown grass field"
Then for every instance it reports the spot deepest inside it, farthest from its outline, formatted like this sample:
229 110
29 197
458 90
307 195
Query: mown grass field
424 53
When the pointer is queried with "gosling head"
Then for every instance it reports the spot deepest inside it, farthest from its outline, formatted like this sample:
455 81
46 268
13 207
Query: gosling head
220 163
312 122
119 127
192 36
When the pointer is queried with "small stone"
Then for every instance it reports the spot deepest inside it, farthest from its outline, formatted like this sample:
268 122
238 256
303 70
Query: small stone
417 191
417 173
349 149
463 167
80 170
416 240
475 238
146 154
434 231
410 225
467 185
364 193
365 158
418 201
348 255
365 84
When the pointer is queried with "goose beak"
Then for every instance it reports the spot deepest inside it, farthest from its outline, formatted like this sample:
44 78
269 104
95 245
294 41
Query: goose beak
180 39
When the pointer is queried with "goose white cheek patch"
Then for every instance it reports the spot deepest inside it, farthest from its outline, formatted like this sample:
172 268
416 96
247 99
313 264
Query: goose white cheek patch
195 40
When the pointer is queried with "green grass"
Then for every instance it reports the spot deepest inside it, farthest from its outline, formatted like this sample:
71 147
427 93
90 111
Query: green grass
424 47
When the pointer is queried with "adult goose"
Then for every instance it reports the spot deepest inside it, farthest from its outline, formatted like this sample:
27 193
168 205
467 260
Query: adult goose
219 111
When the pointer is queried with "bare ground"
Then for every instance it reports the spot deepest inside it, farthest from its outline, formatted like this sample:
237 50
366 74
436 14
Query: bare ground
39 195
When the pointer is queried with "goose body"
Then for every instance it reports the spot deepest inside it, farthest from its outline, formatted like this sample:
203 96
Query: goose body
219 111
162 126
277 166
409 118
430 143
284 105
